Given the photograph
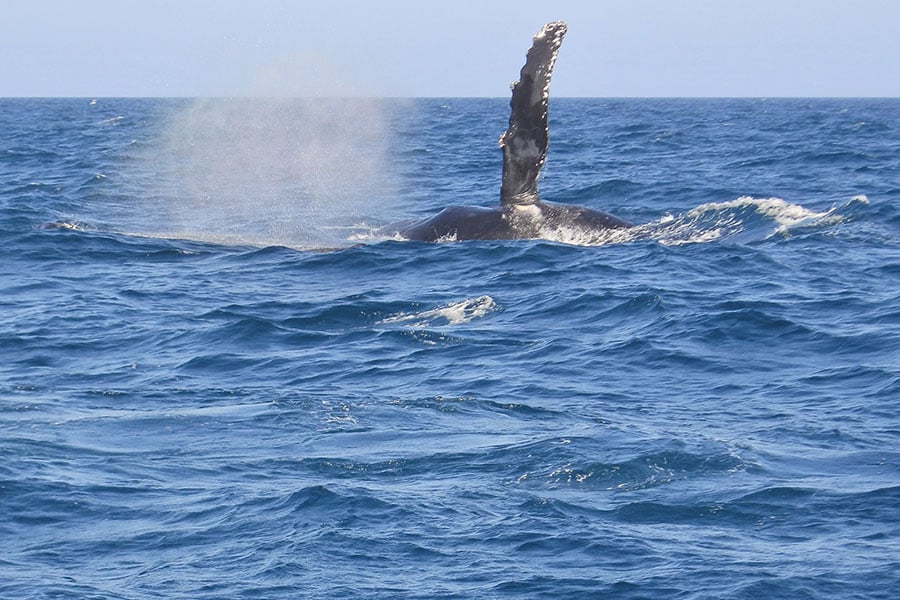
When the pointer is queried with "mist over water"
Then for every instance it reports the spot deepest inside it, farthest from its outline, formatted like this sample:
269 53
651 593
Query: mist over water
272 171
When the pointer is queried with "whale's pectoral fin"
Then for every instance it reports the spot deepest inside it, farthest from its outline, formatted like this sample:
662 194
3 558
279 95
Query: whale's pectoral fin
525 142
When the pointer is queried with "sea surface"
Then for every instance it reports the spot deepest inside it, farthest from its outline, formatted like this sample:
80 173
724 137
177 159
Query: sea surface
218 380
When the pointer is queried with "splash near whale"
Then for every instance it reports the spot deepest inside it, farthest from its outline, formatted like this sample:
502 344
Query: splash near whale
521 214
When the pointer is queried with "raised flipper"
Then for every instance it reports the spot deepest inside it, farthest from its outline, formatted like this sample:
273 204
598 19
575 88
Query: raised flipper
525 142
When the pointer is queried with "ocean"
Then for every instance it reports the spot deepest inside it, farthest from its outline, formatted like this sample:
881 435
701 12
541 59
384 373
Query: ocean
218 381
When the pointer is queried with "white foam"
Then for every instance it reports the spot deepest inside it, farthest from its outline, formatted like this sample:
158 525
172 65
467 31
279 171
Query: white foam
455 313
705 223
714 220
69 225
577 236
785 214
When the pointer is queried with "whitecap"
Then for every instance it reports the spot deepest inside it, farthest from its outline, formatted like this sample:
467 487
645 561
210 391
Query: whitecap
454 313
784 213
716 220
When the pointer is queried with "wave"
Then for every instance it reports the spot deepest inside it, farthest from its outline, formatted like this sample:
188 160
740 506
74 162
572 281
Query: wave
760 217
718 220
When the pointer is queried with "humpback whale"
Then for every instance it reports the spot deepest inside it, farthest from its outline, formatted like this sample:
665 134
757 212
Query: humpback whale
521 214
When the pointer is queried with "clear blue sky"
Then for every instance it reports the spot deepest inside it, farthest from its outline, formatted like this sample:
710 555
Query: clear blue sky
447 48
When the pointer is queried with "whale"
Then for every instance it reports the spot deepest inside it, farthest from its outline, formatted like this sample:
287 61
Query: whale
521 213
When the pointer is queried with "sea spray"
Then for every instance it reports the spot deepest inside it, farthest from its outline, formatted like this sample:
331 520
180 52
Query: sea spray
285 171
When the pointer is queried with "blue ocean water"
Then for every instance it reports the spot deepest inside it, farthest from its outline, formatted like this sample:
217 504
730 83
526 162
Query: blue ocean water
216 381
